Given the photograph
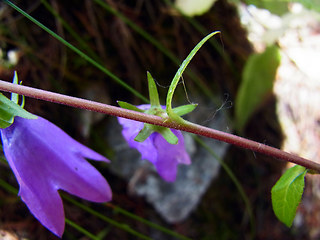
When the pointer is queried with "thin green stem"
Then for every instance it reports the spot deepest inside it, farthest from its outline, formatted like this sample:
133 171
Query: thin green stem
234 180
200 28
152 119
8 187
69 29
139 30
81 229
156 43
146 222
14 191
76 50
122 226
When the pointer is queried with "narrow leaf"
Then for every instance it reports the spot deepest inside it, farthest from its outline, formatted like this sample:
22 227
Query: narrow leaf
178 75
257 82
286 194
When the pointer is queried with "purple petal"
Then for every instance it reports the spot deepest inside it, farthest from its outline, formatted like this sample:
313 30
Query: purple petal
169 156
45 159
156 149
45 205
130 130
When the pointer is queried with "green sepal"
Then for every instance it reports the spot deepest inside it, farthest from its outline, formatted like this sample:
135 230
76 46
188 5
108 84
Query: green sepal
15 96
144 133
184 109
129 106
153 92
286 194
9 109
148 129
4 124
168 135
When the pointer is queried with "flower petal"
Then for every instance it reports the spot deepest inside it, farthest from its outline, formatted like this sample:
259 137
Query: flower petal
156 149
45 159
43 202
169 156
130 130
45 206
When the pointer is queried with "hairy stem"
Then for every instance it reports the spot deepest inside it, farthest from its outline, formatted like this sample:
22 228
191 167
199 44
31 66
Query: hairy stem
142 117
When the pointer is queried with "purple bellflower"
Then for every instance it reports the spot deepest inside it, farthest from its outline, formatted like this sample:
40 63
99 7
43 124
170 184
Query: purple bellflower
45 159
163 155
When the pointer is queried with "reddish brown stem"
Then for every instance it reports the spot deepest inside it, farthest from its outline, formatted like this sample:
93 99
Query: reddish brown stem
142 117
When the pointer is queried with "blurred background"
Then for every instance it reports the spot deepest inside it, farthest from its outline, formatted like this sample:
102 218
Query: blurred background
258 78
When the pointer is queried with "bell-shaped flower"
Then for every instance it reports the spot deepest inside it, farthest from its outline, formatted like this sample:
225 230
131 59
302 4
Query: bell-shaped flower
45 159
155 148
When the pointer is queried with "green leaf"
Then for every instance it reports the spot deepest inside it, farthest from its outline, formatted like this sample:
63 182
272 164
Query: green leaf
184 109
129 106
9 109
286 194
257 82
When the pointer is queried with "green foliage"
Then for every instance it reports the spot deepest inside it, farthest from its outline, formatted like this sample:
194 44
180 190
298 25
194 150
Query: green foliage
286 194
311 4
281 7
274 6
257 81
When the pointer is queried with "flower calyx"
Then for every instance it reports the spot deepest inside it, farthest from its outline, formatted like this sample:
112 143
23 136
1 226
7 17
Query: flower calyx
157 110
